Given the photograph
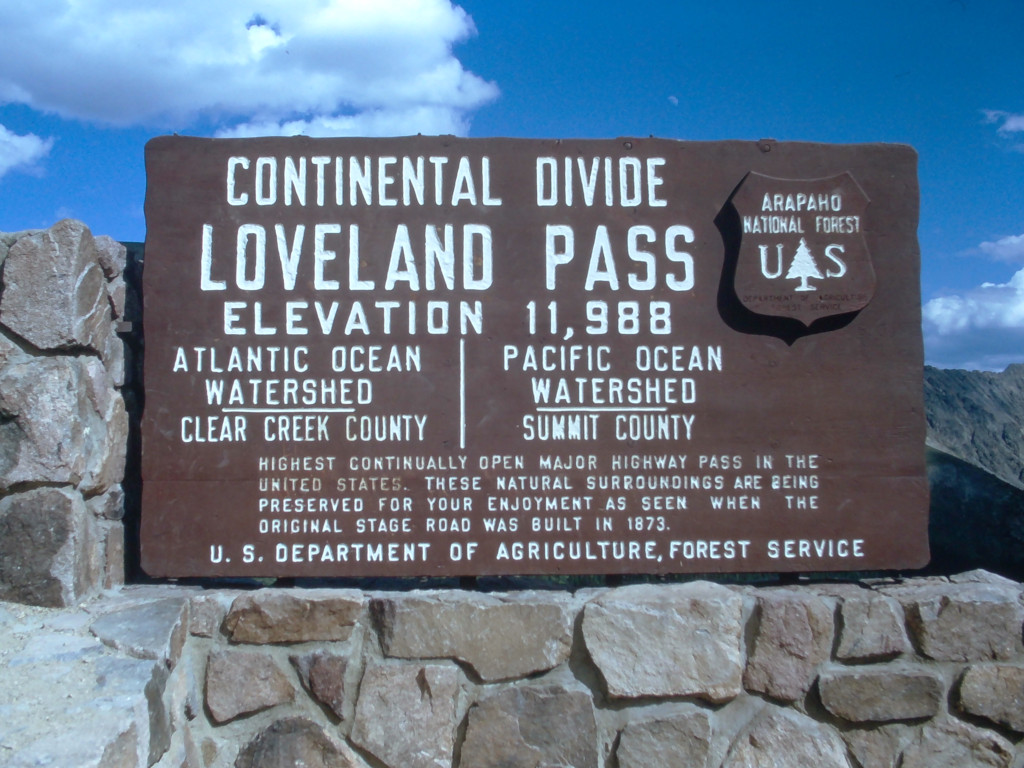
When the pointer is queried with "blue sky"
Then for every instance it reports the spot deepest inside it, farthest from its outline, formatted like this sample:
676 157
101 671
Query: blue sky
84 84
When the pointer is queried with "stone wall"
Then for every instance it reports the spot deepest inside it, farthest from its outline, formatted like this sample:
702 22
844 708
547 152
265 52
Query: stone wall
922 673
642 676
918 673
63 424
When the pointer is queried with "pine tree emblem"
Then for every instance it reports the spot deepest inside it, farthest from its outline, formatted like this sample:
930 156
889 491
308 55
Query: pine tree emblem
803 267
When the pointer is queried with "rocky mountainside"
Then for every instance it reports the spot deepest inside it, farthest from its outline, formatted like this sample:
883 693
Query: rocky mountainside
976 469
978 416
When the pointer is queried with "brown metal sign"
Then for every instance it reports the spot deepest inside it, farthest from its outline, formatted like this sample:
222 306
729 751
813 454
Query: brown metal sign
440 356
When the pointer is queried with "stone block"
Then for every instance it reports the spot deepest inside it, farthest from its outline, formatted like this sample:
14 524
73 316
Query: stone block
874 629
407 715
9 351
532 726
191 700
150 630
7 239
294 742
949 743
66 701
111 255
323 675
55 292
981 576
786 739
206 614
106 446
243 682
183 695
117 290
881 693
109 505
994 692
42 440
112 353
64 424
209 750
667 640
667 741
159 717
193 756
965 622
44 541
123 751
794 637
880 747
112 536
181 754
294 615
499 637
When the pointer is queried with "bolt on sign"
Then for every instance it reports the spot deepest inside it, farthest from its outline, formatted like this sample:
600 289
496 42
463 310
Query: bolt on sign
442 356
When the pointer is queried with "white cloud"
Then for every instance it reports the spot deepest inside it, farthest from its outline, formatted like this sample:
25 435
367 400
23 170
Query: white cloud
1010 124
379 122
279 65
21 151
1005 249
982 329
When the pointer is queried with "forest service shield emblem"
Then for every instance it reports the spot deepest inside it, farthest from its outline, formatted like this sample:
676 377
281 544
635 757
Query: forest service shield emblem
802 251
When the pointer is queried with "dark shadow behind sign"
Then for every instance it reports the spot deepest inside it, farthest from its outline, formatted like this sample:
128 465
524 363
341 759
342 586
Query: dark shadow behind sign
441 356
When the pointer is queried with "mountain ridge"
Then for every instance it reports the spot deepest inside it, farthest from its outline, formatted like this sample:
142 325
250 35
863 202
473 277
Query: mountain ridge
975 457
978 416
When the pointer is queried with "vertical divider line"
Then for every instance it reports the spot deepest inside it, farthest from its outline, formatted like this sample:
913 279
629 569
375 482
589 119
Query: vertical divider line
462 394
